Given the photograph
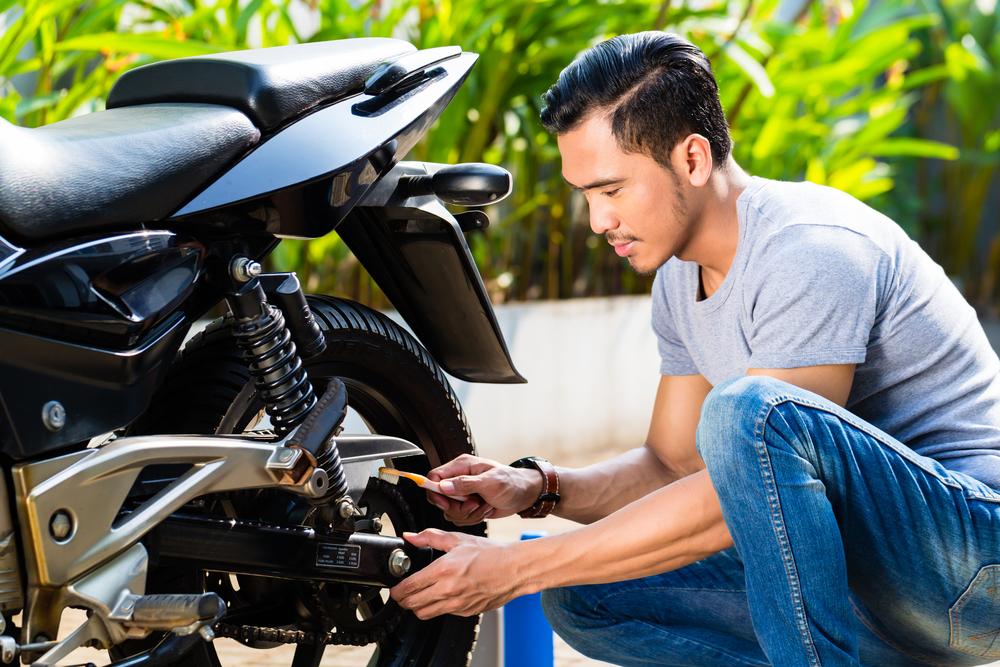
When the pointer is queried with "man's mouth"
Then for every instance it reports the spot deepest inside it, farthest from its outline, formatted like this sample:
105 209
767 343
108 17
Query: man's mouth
624 249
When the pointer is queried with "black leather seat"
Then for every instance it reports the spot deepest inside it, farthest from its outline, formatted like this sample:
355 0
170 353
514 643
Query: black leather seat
111 168
271 86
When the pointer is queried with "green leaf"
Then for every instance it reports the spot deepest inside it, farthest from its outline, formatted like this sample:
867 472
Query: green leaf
914 148
8 106
753 69
158 47
24 107
922 77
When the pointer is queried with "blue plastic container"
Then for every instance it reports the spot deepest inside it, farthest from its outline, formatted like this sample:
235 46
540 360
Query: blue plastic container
527 635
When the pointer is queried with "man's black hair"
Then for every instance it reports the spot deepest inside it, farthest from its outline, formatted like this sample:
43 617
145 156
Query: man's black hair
658 88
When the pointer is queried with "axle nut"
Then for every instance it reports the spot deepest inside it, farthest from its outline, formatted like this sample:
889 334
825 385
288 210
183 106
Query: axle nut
399 563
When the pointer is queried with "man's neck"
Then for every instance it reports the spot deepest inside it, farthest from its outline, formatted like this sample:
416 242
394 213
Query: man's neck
714 245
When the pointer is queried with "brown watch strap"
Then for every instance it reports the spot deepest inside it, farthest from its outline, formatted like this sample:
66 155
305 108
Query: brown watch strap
550 487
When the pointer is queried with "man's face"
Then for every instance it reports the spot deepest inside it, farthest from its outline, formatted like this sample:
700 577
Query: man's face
634 201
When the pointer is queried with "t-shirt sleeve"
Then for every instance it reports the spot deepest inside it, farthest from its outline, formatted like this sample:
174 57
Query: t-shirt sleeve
674 356
812 298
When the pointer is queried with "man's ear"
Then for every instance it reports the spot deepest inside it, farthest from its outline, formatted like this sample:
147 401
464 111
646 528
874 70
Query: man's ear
694 157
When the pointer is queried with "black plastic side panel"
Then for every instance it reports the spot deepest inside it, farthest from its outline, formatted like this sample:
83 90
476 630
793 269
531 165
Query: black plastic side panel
105 291
335 143
425 268
101 390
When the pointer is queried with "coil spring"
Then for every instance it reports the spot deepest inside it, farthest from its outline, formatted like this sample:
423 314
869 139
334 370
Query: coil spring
330 462
277 369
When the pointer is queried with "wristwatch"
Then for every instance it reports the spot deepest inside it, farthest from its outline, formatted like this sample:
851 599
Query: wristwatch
550 487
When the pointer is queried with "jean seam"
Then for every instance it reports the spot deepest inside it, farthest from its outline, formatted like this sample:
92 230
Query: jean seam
609 596
778 524
697 643
906 453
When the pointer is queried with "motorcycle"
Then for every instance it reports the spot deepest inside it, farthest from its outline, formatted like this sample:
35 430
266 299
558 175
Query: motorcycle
179 495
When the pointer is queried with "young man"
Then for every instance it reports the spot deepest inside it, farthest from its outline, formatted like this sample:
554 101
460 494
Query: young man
818 483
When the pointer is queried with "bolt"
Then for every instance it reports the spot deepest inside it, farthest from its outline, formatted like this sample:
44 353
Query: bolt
399 563
244 270
377 525
345 508
8 649
61 525
128 605
355 598
53 415
286 455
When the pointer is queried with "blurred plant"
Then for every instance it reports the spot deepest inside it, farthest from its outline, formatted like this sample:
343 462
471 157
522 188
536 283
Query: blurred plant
824 96
960 228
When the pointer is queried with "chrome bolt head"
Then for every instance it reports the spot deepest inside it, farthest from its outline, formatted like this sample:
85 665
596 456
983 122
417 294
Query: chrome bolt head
61 526
287 454
399 563
244 270
377 525
355 598
53 415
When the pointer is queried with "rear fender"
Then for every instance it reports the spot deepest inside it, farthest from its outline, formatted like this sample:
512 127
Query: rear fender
416 252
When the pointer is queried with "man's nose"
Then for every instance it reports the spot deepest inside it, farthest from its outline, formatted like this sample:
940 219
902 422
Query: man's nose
602 218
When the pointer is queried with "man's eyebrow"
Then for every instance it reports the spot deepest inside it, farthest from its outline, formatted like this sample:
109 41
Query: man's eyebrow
596 184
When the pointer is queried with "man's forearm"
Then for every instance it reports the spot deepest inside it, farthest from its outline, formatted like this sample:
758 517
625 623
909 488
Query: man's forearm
592 493
668 529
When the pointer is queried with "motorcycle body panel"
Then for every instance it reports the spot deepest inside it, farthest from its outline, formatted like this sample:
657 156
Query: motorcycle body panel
89 323
416 252
101 390
345 146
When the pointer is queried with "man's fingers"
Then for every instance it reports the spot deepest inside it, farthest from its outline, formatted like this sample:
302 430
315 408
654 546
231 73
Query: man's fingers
434 538
469 485
463 465
442 502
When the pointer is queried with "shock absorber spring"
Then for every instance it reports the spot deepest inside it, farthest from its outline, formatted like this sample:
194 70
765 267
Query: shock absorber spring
276 367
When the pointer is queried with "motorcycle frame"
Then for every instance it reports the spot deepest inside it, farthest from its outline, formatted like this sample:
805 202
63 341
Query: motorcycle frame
91 486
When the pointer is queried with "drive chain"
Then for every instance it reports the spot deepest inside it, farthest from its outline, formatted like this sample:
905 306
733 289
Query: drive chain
250 633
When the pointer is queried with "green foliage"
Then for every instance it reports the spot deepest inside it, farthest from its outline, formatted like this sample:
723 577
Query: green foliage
845 95
962 109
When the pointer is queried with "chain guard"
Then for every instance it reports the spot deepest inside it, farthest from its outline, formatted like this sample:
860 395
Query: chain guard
337 605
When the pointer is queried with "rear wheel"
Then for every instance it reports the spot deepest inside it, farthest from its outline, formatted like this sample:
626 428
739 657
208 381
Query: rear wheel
394 388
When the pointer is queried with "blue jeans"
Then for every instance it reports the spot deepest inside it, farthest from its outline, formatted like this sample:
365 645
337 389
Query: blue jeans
849 549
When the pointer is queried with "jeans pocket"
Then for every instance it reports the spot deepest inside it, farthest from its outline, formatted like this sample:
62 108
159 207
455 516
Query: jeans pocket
975 617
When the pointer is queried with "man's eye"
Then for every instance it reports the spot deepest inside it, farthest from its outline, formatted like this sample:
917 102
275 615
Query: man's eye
611 193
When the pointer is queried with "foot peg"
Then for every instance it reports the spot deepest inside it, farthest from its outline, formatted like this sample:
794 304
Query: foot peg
181 614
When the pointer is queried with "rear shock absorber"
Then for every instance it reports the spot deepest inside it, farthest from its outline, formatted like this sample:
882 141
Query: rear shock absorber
275 365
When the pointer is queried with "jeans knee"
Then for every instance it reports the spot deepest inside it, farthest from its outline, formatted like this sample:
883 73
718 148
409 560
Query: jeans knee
729 416
559 605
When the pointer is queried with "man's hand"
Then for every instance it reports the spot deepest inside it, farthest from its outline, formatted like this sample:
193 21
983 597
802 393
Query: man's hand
472 577
496 490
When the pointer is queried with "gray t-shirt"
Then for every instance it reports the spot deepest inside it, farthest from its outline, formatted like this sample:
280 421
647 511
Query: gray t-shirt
820 278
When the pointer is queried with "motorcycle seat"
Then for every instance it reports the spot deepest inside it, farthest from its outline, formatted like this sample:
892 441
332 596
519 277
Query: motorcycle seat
271 86
113 168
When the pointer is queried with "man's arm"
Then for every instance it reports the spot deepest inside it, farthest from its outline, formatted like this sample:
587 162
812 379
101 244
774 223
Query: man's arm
665 530
590 493
670 454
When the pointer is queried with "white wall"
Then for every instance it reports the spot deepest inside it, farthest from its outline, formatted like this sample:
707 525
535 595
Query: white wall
592 370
